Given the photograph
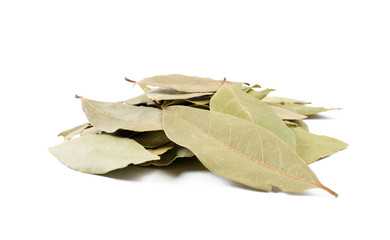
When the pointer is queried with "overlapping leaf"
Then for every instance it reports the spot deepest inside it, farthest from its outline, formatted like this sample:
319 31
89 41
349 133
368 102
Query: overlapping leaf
109 117
239 150
312 147
100 154
233 101
185 83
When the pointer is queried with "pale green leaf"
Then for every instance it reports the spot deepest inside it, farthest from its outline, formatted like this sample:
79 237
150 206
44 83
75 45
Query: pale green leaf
311 147
68 134
239 150
100 154
233 101
109 117
172 94
151 139
185 83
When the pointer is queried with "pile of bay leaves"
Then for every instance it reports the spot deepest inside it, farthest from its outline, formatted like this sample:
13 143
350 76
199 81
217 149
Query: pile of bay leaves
235 130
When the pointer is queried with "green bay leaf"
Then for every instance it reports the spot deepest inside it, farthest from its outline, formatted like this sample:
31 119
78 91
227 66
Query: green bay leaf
239 150
109 117
233 101
99 154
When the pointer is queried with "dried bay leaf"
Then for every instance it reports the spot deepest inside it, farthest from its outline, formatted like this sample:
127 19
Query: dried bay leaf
152 139
99 154
185 83
162 149
90 130
301 124
109 117
286 114
282 100
305 110
239 150
312 147
261 94
70 133
139 100
170 156
172 94
233 101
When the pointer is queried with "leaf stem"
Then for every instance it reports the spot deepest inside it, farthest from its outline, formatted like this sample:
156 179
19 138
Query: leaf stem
329 190
129 80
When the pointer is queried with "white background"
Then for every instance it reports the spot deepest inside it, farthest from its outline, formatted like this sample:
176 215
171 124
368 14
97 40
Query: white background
333 53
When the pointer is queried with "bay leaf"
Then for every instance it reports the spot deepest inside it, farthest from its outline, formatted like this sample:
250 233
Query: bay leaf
282 100
109 117
312 147
99 154
233 101
171 94
305 110
286 114
142 99
260 94
90 130
151 139
70 133
185 83
249 88
239 150
162 149
170 156
290 123
301 124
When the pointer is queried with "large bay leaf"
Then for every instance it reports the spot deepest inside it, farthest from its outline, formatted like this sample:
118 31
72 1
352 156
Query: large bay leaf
260 94
172 94
152 139
233 101
68 134
100 154
286 114
312 147
239 150
109 117
305 110
170 156
185 83
282 100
